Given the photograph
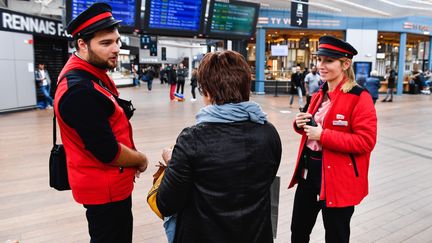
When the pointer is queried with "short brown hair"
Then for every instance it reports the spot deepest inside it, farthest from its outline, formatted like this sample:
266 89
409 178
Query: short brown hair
225 76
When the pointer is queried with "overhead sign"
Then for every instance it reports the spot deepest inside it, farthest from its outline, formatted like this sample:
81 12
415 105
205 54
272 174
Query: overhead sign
279 50
18 22
299 13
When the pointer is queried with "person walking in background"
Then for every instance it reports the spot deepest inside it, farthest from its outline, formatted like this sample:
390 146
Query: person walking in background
150 73
182 73
312 85
338 134
297 86
391 80
102 159
162 75
43 81
194 84
218 176
135 76
373 84
172 80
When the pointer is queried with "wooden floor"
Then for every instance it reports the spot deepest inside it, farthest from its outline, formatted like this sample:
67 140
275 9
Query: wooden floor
398 209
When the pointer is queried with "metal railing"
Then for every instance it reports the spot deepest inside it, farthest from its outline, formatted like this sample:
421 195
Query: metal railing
275 87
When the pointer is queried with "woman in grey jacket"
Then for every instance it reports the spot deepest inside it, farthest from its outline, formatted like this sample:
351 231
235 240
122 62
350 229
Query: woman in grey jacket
219 175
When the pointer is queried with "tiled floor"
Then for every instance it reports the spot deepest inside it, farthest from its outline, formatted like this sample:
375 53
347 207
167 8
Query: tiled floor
398 209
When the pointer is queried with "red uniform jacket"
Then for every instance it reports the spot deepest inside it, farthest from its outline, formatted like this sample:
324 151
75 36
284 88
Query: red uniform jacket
348 137
91 181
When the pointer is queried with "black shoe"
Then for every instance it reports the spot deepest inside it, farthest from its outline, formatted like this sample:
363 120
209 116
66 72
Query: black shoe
390 101
384 100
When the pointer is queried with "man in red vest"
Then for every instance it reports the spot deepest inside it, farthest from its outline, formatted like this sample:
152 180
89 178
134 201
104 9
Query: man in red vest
101 156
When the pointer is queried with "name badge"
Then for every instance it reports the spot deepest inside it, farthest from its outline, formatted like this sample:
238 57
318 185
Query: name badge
340 123
340 117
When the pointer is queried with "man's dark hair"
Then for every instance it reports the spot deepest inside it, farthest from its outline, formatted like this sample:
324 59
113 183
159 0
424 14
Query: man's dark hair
225 76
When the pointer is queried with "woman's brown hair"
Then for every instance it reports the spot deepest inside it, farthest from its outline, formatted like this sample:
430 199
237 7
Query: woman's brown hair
225 76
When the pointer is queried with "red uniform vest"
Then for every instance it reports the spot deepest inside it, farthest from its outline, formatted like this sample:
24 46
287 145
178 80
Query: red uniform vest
91 181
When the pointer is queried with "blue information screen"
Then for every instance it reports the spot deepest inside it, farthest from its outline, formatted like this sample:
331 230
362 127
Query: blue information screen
175 14
123 10
232 19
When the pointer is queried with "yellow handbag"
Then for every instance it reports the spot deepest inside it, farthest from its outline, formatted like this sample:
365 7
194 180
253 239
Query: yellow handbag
151 196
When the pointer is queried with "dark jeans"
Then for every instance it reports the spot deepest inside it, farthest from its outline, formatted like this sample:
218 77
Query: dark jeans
110 222
149 84
193 91
306 209
180 84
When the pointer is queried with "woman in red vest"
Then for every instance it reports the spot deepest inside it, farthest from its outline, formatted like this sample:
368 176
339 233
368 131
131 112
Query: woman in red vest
338 135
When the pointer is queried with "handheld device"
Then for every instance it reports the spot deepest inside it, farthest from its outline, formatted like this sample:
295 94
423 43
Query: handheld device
312 122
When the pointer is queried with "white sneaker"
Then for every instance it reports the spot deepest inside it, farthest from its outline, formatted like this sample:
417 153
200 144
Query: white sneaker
193 100
49 107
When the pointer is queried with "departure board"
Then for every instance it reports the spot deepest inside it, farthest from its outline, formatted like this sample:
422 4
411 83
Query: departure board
181 16
236 19
124 10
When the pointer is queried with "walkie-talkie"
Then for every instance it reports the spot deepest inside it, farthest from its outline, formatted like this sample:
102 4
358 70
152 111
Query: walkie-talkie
311 122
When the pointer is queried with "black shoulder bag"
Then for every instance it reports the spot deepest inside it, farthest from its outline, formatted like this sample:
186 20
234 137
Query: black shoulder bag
58 175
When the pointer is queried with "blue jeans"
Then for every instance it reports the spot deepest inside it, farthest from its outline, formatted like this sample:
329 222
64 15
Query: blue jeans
136 82
170 227
300 94
47 98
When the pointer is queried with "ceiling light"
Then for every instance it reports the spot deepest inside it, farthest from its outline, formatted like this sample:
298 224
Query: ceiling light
363 7
405 6
320 5
420 1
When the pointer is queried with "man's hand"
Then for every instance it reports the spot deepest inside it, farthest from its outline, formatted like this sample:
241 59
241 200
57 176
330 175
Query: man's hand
141 169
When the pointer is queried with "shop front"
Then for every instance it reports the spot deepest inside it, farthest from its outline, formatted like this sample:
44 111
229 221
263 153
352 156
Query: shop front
401 43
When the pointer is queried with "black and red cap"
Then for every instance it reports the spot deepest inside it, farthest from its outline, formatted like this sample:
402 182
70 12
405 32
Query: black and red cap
97 17
333 47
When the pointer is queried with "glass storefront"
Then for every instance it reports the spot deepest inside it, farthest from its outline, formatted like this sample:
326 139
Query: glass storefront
299 45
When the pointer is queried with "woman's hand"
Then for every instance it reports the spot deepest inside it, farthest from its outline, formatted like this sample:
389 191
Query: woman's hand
166 154
301 119
313 133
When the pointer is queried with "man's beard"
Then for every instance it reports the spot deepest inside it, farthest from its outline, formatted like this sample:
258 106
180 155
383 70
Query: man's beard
95 60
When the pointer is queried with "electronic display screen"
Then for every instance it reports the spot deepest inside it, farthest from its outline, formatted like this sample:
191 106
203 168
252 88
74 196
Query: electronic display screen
125 10
174 17
232 20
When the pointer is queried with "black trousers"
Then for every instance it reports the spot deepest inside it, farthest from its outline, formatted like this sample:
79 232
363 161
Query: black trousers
193 91
111 222
180 85
306 209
